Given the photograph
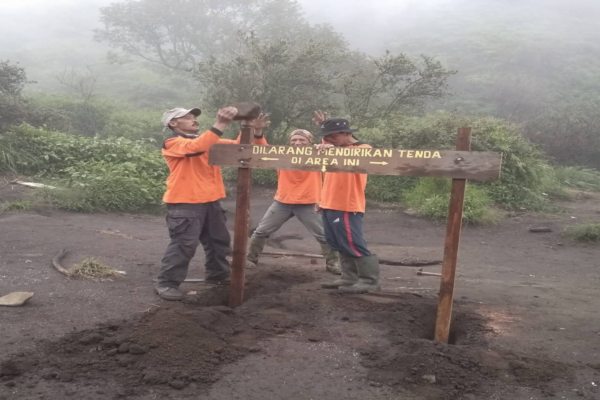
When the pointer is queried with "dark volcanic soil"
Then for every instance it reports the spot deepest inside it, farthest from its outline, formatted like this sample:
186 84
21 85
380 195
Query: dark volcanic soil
525 315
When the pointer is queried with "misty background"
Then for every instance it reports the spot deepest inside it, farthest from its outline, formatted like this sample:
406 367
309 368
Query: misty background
535 63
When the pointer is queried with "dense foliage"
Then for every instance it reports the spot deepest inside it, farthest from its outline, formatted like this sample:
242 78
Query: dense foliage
525 177
431 197
122 174
93 174
94 118
12 105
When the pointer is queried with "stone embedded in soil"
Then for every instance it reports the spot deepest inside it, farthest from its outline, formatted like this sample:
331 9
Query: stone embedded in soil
92 338
112 352
153 378
123 348
124 360
137 349
50 375
540 229
177 384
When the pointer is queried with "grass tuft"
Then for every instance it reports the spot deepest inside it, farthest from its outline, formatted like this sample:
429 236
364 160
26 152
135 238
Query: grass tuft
584 233
90 268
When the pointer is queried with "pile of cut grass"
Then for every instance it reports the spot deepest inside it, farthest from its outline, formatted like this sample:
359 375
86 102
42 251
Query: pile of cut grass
90 268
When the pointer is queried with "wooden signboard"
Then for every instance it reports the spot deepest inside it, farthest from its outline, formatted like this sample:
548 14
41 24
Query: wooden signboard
460 165
481 166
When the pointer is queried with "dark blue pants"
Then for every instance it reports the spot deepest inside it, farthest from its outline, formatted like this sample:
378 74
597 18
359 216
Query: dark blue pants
344 232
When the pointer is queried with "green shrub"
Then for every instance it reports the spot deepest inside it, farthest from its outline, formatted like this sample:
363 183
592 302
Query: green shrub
389 188
262 177
431 198
584 232
37 151
110 186
69 115
134 125
17 205
525 172
578 178
94 174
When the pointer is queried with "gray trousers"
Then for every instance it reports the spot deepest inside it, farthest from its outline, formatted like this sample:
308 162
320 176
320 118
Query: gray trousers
278 213
189 225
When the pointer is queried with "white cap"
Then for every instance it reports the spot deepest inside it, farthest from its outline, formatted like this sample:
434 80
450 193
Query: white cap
177 112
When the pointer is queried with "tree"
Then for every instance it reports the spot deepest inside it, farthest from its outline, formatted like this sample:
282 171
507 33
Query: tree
180 33
290 80
82 85
375 88
12 81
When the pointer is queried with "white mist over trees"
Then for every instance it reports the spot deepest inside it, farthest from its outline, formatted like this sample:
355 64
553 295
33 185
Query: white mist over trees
534 62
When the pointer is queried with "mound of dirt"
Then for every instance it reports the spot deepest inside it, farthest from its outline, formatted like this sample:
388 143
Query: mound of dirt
182 346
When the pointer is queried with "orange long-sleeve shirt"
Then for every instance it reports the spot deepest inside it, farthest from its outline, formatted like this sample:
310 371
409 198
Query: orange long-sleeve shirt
191 178
344 191
298 187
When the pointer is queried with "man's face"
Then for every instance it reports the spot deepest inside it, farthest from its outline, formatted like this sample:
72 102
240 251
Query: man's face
299 140
339 138
186 124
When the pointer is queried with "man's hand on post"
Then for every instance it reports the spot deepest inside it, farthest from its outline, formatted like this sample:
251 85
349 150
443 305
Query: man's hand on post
224 117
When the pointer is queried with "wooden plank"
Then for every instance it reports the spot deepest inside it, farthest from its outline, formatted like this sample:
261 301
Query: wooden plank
240 234
481 166
455 212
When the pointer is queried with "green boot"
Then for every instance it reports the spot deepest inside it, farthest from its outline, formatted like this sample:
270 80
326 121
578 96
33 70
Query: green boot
349 274
368 276
332 263
256 247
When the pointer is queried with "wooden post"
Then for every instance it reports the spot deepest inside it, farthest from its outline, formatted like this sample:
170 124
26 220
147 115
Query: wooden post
455 212
240 234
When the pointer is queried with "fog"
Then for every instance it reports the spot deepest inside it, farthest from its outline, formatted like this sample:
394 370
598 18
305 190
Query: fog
533 45
374 26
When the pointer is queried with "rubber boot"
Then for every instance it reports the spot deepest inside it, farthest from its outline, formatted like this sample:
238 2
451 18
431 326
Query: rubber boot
332 263
254 249
349 274
368 276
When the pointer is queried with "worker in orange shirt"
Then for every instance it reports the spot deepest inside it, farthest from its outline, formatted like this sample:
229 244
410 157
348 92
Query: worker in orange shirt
297 194
343 206
193 194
